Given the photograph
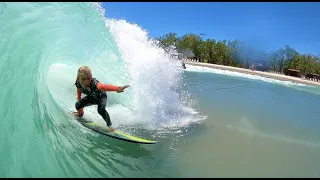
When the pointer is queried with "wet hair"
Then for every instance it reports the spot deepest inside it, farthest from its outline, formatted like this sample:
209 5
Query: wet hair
83 71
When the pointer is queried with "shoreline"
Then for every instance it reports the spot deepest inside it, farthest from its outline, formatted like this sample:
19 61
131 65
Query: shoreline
280 77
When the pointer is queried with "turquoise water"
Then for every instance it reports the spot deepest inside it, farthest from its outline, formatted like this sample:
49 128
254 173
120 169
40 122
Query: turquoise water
256 127
209 123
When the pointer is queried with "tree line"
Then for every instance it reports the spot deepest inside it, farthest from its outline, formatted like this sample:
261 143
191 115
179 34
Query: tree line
237 53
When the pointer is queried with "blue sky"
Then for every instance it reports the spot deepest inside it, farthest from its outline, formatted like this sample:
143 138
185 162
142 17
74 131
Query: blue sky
262 25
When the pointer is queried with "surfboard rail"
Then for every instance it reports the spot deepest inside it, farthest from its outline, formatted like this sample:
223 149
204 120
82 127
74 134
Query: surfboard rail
115 134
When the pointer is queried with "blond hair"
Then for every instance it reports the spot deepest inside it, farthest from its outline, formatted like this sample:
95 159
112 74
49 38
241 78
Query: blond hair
83 71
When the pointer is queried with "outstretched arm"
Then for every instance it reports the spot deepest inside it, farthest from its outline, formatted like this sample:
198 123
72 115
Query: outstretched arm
108 87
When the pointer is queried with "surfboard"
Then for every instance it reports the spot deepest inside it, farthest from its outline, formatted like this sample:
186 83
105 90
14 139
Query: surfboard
115 134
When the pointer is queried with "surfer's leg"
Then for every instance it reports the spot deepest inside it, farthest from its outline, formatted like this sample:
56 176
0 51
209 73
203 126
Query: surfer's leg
85 101
102 110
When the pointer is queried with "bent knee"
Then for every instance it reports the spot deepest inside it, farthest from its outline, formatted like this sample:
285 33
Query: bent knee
78 105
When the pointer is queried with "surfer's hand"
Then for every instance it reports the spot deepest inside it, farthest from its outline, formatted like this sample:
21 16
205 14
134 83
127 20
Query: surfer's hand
121 88
75 114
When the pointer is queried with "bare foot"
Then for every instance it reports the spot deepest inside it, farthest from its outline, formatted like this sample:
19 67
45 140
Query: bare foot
111 129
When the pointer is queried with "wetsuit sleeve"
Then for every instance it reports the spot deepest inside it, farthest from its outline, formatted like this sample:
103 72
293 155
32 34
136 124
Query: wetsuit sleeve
78 94
106 87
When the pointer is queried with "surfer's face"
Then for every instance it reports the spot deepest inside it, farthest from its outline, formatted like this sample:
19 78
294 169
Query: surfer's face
85 80
84 76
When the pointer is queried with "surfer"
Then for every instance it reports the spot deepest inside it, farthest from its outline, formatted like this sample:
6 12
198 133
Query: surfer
95 92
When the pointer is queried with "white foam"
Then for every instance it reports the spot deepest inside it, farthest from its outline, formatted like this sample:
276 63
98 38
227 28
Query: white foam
153 75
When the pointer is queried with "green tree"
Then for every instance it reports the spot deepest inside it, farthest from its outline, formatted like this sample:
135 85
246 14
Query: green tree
168 39
236 53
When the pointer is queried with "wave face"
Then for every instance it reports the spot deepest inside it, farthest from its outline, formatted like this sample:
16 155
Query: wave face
42 46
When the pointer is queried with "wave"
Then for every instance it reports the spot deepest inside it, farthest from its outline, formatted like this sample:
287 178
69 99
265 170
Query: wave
42 45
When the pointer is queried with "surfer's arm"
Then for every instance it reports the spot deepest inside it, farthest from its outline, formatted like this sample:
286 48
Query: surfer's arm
107 87
78 94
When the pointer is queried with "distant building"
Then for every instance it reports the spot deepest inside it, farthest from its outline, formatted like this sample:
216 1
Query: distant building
292 72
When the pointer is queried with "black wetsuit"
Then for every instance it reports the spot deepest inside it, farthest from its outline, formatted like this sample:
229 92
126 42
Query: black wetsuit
94 97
